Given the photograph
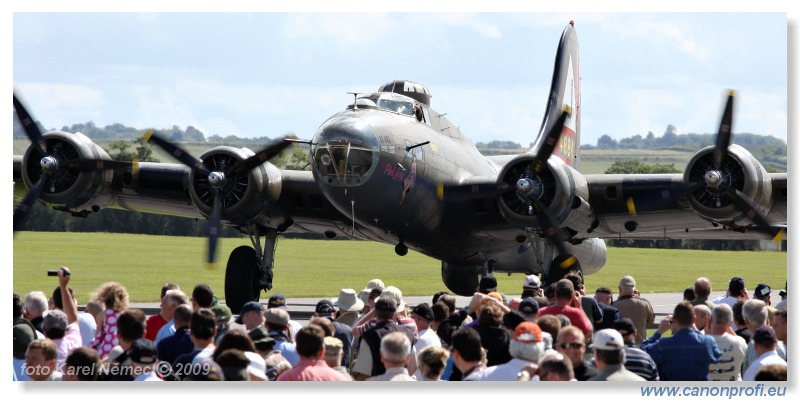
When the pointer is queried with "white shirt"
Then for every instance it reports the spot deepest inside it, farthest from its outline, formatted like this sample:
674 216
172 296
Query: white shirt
768 358
729 367
503 372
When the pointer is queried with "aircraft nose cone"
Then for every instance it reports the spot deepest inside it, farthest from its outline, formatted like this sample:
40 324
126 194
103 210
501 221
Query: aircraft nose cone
345 151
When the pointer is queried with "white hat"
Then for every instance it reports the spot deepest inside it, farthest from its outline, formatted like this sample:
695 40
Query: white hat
395 294
608 339
257 367
374 283
532 281
348 301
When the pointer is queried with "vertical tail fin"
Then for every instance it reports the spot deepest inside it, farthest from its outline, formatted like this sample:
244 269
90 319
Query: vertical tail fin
565 89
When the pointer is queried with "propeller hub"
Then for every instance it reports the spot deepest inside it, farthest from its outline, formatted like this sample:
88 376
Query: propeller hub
49 164
524 186
713 179
216 180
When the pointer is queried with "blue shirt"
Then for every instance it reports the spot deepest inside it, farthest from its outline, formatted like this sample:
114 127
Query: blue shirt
165 331
685 356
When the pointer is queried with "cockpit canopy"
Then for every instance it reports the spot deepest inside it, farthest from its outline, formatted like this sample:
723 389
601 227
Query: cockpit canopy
388 102
410 89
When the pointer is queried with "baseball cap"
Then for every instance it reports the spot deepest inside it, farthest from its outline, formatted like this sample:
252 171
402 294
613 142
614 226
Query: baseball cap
333 346
277 316
23 335
608 339
765 335
54 319
529 306
250 306
488 284
222 313
736 285
763 291
527 332
424 311
395 294
325 307
143 351
532 282
624 326
277 301
627 282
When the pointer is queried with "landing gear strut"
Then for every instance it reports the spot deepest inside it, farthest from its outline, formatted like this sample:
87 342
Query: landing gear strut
249 269
551 265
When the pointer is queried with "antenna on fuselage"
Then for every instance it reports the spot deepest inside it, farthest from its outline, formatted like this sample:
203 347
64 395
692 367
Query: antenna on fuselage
355 98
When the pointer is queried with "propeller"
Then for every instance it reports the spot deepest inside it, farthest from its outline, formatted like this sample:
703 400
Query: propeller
216 180
51 163
714 181
526 190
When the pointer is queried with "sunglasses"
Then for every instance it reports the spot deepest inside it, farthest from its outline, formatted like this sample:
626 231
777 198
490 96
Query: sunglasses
568 346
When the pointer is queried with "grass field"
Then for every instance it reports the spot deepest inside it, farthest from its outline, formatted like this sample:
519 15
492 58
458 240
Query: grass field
305 268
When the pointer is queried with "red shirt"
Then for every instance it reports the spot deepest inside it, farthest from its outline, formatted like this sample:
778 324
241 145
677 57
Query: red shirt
154 324
575 315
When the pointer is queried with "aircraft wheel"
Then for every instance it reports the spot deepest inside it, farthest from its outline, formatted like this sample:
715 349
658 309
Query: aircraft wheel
241 278
462 280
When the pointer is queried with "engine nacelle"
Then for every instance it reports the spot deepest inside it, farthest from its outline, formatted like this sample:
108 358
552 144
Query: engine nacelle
741 171
591 254
248 197
67 187
561 189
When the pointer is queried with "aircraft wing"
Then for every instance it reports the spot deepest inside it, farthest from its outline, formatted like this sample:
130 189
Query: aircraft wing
646 206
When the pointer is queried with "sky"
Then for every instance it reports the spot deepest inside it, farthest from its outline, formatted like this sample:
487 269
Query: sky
269 74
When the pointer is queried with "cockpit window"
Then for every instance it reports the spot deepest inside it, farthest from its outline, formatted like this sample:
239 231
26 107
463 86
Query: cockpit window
396 106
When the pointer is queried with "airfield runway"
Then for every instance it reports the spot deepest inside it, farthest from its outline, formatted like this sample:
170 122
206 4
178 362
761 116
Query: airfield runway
301 309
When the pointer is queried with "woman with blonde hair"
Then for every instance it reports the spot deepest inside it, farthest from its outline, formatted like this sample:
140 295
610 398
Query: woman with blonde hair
431 362
115 298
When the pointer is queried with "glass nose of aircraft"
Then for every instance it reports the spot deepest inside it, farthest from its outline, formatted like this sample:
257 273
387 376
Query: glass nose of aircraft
345 151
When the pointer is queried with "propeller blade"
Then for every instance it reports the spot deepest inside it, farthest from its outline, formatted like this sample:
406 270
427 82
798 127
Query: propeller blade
470 191
550 141
98 165
724 134
177 152
259 158
747 208
22 210
31 129
214 229
553 233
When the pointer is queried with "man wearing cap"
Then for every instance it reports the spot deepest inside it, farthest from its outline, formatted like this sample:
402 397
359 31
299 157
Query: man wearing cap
222 318
736 291
251 315
367 321
763 292
349 306
531 286
635 308
636 360
55 329
688 354
609 357
604 299
333 356
372 284
422 315
765 343
368 363
311 366
278 301
326 309
733 347
143 360
565 294
277 322
526 347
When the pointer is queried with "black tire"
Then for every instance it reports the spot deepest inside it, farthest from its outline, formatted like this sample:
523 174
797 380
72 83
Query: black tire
241 278
461 280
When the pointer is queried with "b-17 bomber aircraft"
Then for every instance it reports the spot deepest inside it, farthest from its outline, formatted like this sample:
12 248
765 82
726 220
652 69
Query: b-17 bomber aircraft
389 168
